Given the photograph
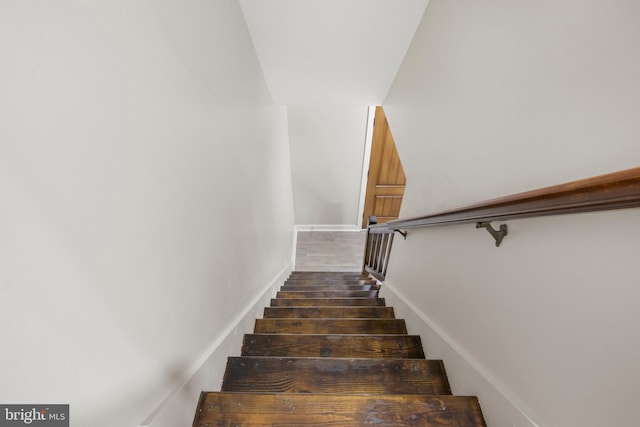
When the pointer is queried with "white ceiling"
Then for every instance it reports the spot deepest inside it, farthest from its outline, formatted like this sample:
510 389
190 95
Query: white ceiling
331 51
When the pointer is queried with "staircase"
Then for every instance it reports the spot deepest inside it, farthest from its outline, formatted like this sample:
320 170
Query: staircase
328 352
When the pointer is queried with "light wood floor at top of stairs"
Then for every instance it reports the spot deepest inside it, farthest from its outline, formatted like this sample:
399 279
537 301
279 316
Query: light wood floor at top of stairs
330 250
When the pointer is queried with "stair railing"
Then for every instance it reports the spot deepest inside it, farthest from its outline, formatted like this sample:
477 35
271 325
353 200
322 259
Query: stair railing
618 190
378 248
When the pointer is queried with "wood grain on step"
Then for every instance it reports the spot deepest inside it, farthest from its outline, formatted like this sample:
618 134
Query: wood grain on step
258 409
330 326
328 302
328 287
328 312
327 294
356 346
335 375
329 282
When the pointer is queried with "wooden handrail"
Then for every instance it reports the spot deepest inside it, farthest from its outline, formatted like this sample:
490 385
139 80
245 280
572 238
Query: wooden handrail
619 190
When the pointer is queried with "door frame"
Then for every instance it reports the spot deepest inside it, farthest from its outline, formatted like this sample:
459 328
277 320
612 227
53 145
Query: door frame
368 141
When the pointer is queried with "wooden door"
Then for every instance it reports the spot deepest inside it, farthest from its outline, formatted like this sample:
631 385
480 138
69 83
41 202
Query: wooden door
386 179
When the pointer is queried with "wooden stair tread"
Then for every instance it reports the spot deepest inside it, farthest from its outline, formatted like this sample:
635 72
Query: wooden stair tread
367 287
329 273
358 346
258 409
329 312
330 326
328 302
328 352
327 294
333 375
330 281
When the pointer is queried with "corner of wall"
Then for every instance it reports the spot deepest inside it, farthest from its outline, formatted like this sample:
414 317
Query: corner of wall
178 407
467 376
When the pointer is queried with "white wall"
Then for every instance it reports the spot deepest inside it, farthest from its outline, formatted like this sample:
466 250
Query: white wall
499 97
327 149
145 200
331 51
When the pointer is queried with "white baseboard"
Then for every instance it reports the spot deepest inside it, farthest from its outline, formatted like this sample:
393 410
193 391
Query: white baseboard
178 407
328 227
467 376
294 248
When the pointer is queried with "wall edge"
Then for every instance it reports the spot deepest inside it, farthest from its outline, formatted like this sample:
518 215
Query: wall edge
483 373
247 315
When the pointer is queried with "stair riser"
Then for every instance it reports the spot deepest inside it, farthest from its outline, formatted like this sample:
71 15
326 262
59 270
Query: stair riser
328 274
329 312
328 282
330 326
328 302
327 294
352 280
316 288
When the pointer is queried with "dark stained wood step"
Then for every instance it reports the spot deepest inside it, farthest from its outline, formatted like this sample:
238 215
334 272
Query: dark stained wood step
329 353
345 280
331 375
327 302
327 294
330 326
334 277
355 346
329 312
328 287
257 409
329 282
328 274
